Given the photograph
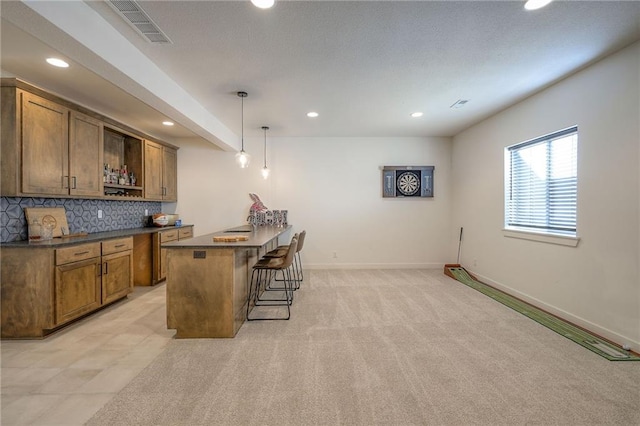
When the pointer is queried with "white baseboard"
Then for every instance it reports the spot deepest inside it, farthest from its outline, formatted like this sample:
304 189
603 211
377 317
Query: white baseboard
581 322
373 265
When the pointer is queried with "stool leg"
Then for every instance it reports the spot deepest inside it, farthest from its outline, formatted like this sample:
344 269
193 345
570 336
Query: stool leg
300 271
250 295
268 276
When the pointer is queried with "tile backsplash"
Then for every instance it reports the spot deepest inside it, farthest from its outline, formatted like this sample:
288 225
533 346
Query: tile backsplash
82 215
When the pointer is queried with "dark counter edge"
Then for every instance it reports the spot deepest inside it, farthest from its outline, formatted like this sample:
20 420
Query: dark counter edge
258 237
97 236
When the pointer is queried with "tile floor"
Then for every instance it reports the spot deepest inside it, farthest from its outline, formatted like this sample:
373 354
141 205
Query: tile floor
67 377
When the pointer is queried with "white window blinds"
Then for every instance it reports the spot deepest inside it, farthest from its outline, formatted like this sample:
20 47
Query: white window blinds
541 184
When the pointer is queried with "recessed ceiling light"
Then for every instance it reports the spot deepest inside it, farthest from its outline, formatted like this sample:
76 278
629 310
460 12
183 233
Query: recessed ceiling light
536 4
312 114
57 62
416 114
168 123
263 4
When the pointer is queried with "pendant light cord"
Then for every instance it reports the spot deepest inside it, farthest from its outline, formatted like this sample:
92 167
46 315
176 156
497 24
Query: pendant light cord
242 95
265 146
242 122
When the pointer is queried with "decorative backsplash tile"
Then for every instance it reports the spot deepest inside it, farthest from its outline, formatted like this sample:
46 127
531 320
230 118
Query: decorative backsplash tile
82 215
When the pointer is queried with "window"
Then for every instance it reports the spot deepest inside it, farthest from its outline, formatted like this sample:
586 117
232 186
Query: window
541 184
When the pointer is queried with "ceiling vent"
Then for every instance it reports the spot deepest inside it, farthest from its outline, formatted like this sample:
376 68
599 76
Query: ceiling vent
459 103
140 21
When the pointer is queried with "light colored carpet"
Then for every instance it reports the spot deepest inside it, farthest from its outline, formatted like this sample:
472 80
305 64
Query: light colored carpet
394 347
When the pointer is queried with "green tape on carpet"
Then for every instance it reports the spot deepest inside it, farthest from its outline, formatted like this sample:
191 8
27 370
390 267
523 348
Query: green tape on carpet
576 334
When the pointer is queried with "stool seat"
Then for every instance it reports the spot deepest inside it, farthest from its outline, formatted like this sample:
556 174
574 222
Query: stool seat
270 263
281 251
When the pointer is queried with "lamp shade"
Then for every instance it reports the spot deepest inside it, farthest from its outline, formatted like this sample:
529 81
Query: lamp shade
243 159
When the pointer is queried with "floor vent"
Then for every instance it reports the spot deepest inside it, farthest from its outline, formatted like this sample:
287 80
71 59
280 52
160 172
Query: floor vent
140 21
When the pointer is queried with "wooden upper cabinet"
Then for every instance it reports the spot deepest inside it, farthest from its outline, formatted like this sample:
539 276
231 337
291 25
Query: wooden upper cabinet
51 147
160 172
152 171
45 146
170 174
58 151
86 148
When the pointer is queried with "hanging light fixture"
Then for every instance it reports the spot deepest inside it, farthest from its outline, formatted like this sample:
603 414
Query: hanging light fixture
242 158
265 169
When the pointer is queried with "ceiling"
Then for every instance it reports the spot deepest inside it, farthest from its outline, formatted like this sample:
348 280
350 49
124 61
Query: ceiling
363 66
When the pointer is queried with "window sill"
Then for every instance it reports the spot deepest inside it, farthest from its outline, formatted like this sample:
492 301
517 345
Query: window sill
563 240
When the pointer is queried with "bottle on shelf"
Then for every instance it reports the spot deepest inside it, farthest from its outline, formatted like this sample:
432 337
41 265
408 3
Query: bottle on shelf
121 178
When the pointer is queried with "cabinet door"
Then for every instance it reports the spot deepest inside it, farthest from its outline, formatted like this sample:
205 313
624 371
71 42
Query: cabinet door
170 174
77 289
117 276
45 146
165 237
85 155
152 171
160 254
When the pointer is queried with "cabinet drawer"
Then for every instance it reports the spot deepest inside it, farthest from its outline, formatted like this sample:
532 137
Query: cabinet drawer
76 253
117 245
185 233
166 236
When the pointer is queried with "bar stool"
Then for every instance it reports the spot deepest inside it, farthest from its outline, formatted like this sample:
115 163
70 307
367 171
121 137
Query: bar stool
297 261
263 273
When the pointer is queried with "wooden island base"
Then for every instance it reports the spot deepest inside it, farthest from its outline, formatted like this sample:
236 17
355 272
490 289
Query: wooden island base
207 281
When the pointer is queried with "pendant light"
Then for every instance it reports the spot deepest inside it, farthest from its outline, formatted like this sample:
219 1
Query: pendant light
265 169
242 158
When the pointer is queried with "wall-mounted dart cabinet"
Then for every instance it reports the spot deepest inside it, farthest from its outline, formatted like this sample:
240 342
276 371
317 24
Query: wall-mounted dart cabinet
407 181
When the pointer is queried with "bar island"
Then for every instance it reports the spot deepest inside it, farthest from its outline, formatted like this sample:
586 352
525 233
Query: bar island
207 280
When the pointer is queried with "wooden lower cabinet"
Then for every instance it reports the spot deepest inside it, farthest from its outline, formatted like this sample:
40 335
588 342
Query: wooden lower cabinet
44 288
210 297
77 289
117 269
163 237
150 259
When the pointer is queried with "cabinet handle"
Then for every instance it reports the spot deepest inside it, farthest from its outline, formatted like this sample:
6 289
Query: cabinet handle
106 268
119 245
100 269
65 179
81 253
74 182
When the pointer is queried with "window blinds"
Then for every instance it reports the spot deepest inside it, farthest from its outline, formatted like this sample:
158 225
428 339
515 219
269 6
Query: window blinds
542 183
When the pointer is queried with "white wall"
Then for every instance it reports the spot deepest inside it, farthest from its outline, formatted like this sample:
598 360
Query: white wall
332 188
596 284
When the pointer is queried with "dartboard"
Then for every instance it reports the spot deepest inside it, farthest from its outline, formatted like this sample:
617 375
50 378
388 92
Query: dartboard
408 183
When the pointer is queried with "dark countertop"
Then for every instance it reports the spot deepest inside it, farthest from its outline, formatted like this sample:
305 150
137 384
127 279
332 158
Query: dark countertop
258 237
90 238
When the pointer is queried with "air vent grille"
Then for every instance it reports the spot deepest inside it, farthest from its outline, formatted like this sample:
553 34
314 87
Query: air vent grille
140 21
459 103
